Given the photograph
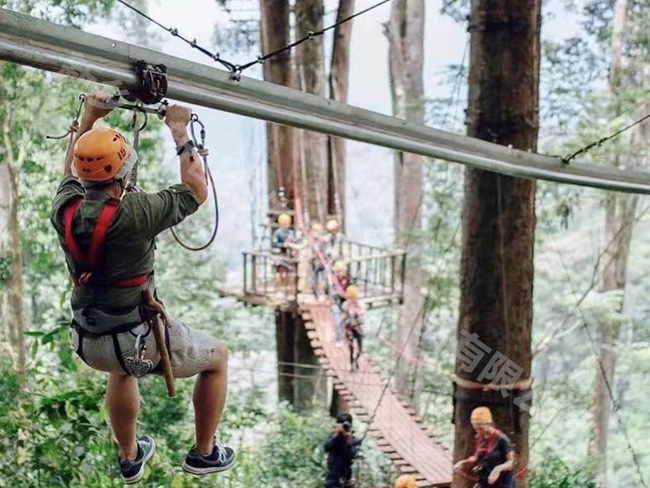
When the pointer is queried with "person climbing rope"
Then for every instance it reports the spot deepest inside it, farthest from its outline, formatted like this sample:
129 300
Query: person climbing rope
342 447
281 244
493 457
319 246
108 237
406 481
353 317
337 295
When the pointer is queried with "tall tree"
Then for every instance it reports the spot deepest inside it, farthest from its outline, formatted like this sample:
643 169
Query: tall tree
405 32
310 61
275 28
499 215
620 211
339 81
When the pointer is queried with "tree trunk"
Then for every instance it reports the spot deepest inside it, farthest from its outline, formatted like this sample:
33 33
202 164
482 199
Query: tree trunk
281 140
11 259
405 32
339 84
311 68
282 150
496 300
620 211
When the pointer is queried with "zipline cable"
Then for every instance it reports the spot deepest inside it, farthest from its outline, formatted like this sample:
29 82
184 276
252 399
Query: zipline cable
602 140
174 32
236 69
310 36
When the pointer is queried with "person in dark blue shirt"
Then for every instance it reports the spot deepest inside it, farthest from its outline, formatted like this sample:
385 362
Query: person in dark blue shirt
341 448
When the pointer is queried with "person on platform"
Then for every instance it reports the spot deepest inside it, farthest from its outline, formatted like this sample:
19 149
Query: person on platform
335 240
493 458
281 243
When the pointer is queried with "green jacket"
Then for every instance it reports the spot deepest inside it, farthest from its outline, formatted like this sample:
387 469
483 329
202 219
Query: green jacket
130 240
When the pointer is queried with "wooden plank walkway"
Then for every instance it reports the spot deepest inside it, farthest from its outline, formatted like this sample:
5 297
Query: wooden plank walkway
396 428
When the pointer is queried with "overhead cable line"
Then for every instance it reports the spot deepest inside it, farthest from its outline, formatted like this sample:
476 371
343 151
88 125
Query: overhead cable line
235 69
310 36
602 140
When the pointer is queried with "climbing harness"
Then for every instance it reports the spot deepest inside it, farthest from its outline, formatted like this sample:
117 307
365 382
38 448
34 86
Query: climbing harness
137 365
86 266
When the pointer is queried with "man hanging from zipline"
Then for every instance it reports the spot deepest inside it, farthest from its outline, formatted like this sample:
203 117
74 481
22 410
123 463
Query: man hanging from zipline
108 236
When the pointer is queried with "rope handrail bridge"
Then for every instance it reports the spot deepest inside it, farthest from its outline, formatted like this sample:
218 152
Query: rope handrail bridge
396 428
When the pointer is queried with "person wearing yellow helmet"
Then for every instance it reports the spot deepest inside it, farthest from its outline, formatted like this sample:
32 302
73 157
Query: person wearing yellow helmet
281 242
406 481
353 318
493 458
108 237
334 240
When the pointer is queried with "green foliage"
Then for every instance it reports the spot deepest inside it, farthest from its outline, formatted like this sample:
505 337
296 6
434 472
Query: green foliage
554 473
5 269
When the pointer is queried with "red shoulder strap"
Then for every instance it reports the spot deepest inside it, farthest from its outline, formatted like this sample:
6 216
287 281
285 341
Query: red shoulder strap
99 232
70 243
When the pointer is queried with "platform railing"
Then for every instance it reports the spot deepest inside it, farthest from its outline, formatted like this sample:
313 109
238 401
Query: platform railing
377 272
261 276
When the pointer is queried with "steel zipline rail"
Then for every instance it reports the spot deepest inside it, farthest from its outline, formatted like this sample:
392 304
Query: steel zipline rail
33 42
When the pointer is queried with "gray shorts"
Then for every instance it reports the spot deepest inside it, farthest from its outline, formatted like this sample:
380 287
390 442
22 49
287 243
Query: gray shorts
192 351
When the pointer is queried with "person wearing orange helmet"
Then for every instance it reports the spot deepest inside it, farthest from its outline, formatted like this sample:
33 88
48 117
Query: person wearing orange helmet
406 481
493 459
353 317
108 236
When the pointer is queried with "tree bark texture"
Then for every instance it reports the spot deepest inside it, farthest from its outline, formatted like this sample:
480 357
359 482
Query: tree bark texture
12 315
311 68
281 140
499 216
405 32
339 86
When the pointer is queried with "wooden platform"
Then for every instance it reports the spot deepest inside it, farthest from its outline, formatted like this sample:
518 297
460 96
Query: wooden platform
396 428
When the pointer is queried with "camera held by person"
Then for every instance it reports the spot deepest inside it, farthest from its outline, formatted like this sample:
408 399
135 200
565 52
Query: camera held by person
341 448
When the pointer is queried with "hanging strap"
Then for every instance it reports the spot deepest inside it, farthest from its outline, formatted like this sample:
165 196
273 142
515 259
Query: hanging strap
70 243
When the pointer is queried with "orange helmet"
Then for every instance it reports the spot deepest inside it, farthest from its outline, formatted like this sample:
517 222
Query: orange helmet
352 292
481 415
102 155
406 481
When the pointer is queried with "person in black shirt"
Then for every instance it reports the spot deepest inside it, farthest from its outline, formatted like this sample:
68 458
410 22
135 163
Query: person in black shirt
493 457
341 448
